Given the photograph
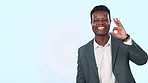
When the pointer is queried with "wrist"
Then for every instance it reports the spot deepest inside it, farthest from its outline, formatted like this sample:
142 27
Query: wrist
127 37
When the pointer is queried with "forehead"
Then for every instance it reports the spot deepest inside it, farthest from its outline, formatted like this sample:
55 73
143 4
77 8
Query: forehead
100 13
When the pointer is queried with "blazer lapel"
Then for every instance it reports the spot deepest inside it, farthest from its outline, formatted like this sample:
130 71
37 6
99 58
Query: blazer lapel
115 44
91 56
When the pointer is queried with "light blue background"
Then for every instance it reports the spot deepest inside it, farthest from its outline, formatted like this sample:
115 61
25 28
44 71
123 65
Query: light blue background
39 38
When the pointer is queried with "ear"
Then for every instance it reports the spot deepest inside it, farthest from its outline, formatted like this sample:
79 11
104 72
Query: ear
91 22
110 21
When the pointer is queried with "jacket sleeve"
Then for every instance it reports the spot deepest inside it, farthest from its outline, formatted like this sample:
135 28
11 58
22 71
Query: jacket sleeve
80 75
137 54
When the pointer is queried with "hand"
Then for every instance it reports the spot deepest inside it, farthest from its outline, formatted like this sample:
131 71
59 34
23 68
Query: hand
121 33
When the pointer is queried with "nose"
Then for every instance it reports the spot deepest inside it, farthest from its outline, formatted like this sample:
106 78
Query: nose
100 22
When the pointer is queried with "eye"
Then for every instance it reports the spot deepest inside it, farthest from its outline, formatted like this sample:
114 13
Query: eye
96 20
105 20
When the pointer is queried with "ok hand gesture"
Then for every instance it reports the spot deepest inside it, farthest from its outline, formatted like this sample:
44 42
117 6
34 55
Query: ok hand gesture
119 31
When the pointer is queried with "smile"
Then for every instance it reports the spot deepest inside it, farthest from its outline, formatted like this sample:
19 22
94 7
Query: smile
101 28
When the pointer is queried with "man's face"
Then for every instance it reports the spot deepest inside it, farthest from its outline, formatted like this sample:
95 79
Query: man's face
100 23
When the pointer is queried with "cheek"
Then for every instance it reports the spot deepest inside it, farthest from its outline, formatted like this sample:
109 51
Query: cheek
107 24
93 25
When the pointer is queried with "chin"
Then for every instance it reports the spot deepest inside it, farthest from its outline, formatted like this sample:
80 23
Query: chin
98 34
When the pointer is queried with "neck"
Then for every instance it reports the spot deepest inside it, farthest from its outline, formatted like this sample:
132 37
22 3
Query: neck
102 40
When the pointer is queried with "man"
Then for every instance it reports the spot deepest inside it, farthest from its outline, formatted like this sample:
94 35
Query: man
105 59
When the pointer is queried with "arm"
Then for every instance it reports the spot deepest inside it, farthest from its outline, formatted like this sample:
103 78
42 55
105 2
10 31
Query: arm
80 75
136 54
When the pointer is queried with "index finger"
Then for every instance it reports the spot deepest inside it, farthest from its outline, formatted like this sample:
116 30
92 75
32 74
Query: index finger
117 22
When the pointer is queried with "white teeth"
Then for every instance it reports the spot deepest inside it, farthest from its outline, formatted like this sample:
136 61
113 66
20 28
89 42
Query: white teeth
100 28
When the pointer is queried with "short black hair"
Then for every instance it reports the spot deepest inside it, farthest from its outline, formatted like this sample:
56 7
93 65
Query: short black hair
100 8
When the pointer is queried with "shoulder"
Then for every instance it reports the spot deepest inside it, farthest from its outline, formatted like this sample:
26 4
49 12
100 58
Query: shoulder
86 46
115 41
114 38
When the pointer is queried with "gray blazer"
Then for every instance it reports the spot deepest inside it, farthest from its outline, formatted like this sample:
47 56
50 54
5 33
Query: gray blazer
87 71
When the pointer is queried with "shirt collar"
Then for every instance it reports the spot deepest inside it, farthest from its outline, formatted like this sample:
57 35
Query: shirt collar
107 44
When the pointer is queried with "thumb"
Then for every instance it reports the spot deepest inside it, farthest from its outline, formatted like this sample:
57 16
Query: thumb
115 31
